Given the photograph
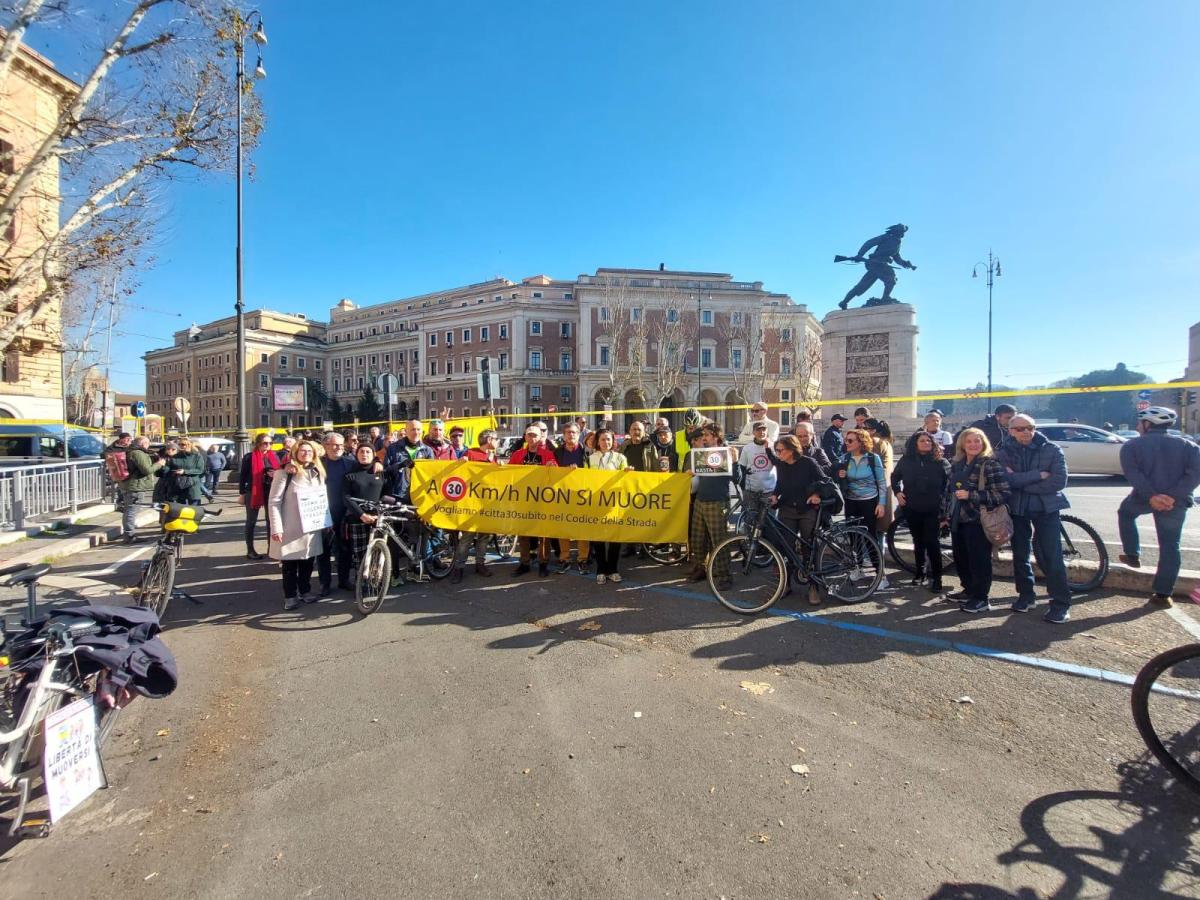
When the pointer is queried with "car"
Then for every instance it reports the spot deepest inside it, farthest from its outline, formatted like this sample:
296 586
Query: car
1088 450
31 444
1126 433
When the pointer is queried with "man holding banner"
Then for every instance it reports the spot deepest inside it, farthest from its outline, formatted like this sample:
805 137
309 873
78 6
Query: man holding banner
486 454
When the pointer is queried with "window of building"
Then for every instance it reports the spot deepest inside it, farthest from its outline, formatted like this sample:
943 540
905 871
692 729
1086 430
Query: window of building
635 314
567 295
449 396
785 395
466 335
706 357
604 354
503 391
785 418
361 383
374 330
537 295
317 364
433 367
301 362
535 392
264 420
263 357
535 359
785 365
504 332
416 358
466 393
387 329
564 360
360 334
264 381
564 329
736 358
374 360
602 314
672 316
785 334
262 402
735 318
400 358
564 393
337 338
485 332
535 327
400 379
706 317
503 361
449 338
432 339
466 364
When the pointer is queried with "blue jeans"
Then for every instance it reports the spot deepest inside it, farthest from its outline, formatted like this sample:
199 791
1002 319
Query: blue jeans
129 510
1168 525
1044 529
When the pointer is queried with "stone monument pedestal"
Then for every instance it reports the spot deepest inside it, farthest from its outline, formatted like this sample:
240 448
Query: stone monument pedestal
867 354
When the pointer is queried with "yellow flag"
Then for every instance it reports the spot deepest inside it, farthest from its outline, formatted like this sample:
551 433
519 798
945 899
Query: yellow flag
545 501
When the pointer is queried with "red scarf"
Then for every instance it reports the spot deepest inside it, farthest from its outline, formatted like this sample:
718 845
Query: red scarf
258 465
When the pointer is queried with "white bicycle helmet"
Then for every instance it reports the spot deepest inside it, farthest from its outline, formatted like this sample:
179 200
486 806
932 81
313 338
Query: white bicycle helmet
1158 415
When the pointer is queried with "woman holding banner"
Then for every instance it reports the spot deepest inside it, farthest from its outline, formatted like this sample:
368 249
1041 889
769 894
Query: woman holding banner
298 513
607 459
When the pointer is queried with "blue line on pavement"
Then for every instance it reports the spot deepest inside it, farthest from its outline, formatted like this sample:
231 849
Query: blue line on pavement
1020 659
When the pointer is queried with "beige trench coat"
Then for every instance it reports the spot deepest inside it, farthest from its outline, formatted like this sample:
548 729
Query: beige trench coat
283 517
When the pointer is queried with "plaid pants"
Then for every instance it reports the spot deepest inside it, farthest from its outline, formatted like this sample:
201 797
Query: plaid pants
709 526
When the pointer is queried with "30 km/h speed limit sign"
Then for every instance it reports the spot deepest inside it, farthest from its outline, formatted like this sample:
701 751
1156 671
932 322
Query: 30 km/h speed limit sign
1143 405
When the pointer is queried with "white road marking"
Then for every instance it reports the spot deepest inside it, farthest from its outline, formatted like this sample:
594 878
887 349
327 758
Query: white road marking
112 568
1190 625
1146 546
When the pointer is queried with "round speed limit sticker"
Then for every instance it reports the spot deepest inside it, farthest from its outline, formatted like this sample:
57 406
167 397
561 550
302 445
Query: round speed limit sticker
454 489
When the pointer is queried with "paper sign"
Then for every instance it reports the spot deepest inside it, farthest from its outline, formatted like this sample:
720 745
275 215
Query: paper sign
711 461
71 762
314 508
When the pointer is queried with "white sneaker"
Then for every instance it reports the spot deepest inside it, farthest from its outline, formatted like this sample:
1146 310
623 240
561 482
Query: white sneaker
614 578
600 579
884 584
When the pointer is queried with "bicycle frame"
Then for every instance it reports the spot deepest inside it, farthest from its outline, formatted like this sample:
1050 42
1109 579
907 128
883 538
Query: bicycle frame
785 541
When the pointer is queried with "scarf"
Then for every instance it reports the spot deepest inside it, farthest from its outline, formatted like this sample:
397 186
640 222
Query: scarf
258 465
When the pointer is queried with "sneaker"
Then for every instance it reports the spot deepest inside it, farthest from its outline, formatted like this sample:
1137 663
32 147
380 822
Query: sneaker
564 566
917 581
291 603
581 568
1163 600
956 596
456 576
615 578
1057 616
397 580
1024 604
884 584
697 575
1131 559
975 606
326 591
483 571
255 556
132 539
308 597
814 595
600 579
543 569
522 569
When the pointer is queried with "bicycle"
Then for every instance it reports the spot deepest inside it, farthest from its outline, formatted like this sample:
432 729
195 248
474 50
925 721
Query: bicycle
1084 553
845 561
26 701
430 555
1166 709
157 585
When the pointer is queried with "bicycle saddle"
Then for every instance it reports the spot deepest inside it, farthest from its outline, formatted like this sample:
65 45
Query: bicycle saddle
74 626
24 574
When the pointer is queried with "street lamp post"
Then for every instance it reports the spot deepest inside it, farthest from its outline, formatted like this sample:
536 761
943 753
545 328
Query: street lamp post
241 437
698 370
993 272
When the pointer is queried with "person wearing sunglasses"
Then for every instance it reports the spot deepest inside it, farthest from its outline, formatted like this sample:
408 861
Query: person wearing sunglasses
864 485
1036 471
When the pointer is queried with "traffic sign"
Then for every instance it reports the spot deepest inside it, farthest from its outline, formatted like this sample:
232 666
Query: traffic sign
183 408
1144 395
1143 404
138 409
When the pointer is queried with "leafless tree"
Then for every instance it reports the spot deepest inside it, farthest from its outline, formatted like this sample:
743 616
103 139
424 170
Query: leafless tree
750 372
158 102
615 326
669 331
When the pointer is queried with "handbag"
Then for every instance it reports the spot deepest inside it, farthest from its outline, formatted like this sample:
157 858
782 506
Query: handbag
997 523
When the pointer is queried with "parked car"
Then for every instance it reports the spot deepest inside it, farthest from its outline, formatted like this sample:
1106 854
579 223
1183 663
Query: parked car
31 444
1088 450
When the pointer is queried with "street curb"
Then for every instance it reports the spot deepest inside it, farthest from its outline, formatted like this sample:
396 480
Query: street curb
1122 578
90 537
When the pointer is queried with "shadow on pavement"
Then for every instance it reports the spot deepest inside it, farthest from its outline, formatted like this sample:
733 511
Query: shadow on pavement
1134 842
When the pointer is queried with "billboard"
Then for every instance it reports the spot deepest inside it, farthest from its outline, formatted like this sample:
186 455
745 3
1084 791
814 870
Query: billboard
290 394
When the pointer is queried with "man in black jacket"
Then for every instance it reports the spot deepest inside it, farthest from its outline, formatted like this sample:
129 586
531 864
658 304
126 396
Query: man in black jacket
995 426
831 440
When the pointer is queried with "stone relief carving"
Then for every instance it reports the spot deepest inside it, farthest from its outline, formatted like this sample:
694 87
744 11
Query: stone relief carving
867 343
867 385
867 364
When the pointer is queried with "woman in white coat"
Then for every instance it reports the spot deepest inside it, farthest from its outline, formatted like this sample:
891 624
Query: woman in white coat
297 540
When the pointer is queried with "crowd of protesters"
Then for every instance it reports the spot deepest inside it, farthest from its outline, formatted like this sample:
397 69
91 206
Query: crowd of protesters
935 480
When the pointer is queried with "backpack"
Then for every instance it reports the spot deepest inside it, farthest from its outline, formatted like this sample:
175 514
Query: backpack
117 464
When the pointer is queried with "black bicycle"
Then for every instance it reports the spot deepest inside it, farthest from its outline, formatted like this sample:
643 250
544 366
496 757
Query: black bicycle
1166 710
157 586
1084 552
748 573
426 553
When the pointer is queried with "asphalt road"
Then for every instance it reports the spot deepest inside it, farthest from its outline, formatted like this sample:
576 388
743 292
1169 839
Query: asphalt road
553 738
1095 500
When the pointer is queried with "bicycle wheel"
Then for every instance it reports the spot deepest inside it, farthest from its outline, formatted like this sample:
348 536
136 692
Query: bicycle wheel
667 554
158 582
439 554
849 563
1166 710
506 545
743 526
903 552
739 581
1084 553
374 577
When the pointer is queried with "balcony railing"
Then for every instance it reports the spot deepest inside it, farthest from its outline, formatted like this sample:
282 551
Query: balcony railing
549 373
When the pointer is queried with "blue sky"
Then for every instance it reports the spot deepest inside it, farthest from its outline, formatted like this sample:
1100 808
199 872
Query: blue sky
413 147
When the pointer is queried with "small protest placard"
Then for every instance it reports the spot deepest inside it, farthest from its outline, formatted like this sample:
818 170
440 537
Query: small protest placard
712 461
71 762
314 508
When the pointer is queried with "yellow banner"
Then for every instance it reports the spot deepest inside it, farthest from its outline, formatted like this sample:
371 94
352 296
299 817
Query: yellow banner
544 501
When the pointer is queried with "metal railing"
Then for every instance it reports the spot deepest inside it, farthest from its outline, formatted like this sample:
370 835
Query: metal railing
28 492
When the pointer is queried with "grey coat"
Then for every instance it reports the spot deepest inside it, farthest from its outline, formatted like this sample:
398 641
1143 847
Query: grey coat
283 516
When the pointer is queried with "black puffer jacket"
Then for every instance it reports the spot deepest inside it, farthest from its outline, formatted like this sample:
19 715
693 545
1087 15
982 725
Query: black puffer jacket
922 479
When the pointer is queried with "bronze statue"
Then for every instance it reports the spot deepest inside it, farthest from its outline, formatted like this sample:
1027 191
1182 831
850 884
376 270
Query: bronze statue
879 266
